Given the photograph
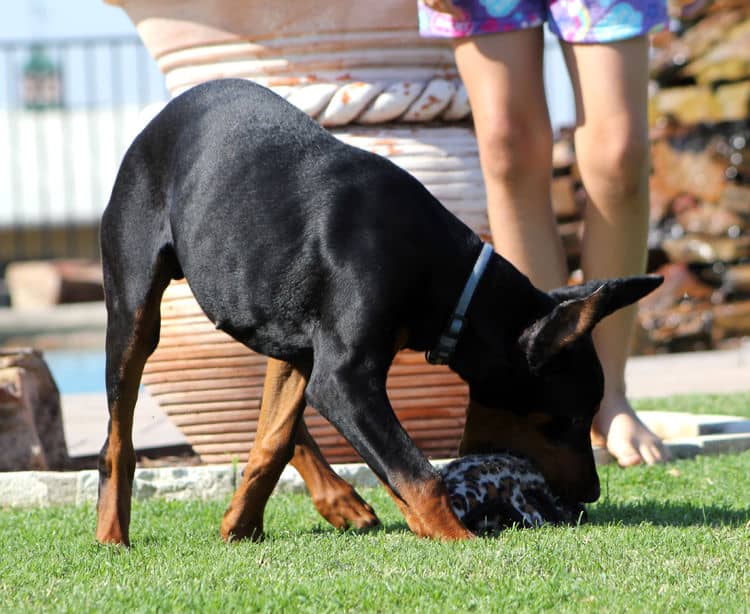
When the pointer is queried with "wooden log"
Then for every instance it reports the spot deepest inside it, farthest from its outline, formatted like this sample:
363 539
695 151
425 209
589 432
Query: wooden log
684 327
667 63
709 219
564 202
734 98
736 279
707 250
675 172
691 104
680 284
727 59
731 320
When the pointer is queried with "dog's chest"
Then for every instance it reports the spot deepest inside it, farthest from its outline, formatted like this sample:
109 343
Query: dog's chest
489 492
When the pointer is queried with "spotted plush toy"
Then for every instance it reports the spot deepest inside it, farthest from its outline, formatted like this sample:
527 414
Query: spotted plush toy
490 492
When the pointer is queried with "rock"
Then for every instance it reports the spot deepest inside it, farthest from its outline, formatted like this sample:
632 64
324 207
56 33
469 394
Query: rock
712 220
37 284
683 328
706 250
31 429
736 279
20 448
563 155
731 320
728 59
670 60
570 234
689 10
734 99
676 316
700 174
736 198
563 197
680 284
690 104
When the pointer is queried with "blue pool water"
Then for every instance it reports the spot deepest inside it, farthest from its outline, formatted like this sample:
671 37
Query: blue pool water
77 371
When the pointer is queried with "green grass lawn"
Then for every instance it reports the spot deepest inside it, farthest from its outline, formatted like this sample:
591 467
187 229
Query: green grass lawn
661 539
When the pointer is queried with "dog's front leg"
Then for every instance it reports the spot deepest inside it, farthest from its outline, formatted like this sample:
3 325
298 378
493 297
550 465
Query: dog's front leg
355 401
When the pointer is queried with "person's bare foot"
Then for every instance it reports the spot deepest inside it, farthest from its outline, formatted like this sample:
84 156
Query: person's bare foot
617 427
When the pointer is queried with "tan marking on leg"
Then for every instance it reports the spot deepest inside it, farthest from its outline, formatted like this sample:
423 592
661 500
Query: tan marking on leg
281 408
427 510
113 505
115 488
334 498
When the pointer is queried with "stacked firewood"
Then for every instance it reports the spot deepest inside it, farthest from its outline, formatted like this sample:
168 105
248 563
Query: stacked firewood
700 186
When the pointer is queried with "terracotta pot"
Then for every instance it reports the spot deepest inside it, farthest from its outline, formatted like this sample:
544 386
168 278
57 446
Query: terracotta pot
361 70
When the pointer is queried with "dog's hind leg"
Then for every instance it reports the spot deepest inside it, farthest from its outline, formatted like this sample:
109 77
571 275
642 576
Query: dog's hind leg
281 411
135 277
333 497
132 334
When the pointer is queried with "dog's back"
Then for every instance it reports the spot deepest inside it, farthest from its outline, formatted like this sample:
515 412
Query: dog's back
305 210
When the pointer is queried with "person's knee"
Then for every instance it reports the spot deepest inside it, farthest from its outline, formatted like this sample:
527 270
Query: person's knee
619 163
516 150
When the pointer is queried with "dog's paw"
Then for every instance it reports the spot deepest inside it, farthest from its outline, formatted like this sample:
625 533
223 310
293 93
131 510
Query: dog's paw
234 528
344 508
241 533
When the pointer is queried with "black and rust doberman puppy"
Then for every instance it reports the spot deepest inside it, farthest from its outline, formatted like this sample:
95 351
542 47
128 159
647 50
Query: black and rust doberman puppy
329 259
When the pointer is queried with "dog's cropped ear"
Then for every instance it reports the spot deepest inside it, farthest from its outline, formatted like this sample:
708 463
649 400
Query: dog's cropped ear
582 307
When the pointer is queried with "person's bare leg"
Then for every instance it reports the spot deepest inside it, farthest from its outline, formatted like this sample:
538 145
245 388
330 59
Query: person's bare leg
503 77
612 151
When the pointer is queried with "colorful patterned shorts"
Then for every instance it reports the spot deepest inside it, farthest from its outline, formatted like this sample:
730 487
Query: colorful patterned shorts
574 21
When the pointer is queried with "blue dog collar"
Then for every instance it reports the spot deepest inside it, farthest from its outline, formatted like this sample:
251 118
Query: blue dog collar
442 352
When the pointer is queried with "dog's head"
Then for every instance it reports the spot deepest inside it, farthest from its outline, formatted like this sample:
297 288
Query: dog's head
543 404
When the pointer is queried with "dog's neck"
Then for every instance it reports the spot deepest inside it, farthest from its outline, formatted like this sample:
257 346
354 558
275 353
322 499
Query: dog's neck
442 351
504 305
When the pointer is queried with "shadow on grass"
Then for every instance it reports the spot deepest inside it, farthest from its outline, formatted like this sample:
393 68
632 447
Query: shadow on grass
622 514
388 527
667 514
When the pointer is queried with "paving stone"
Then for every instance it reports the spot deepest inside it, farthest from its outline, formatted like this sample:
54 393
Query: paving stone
677 425
183 483
87 490
725 444
37 488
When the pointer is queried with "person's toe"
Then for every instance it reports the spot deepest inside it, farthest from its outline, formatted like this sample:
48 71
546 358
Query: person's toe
626 456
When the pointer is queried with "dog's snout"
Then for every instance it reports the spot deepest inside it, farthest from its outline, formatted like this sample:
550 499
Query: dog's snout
592 493
579 490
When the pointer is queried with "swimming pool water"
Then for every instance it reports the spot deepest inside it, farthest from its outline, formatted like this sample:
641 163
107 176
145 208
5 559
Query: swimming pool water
76 371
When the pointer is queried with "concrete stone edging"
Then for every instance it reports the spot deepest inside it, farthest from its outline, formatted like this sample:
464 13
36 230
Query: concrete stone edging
29 489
